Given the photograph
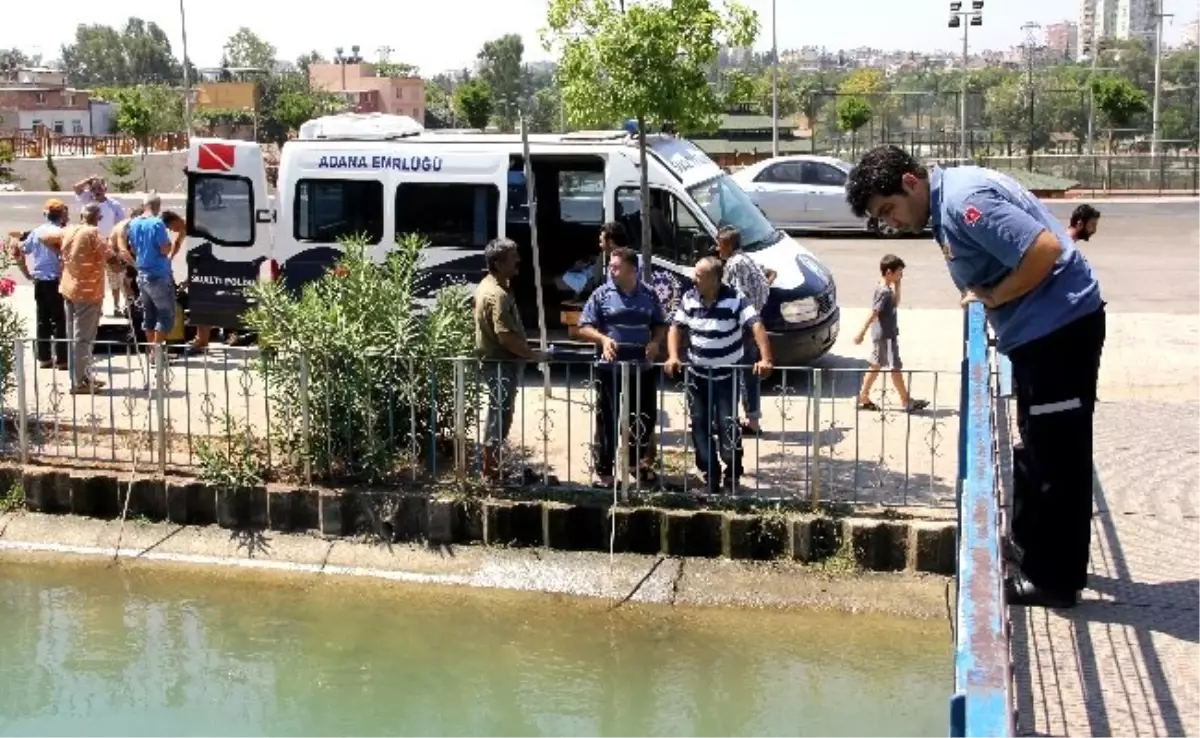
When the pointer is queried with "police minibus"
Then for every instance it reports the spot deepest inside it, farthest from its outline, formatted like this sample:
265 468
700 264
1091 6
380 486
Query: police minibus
383 176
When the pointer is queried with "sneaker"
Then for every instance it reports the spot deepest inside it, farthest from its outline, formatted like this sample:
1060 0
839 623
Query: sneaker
917 405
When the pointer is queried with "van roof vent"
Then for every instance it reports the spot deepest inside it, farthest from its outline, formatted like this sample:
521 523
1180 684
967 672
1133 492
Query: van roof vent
594 136
360 127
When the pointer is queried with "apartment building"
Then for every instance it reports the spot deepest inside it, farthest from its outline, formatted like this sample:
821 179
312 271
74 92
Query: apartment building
357 81
1062 40
57 109
1115 19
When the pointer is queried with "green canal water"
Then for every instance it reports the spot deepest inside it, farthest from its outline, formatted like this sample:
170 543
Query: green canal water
86 649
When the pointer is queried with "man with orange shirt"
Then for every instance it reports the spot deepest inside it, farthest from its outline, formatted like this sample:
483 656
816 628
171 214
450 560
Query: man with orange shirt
84 256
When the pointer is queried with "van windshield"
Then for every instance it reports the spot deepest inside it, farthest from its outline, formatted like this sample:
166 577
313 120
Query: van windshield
728 205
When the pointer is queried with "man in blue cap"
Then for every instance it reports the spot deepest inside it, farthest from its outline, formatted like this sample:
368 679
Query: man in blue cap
1007 251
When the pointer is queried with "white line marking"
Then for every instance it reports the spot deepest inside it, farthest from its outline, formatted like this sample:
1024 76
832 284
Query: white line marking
1055 407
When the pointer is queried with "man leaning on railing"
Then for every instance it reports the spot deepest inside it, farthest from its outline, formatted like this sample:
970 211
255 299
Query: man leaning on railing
625 320
715 316
1007 251
501 344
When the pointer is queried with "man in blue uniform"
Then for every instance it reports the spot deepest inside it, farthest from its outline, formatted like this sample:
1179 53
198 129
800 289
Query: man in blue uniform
1006 250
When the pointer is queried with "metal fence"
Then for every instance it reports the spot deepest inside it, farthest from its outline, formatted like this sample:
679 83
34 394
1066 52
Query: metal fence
422 423
982 702
31 145
1165 173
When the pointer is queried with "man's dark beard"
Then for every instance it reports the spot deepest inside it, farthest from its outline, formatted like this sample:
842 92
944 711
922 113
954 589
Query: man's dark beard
1083 235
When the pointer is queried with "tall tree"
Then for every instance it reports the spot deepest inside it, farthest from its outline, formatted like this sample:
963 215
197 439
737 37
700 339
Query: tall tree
473 103
140 53
246 49
304 60
96 58
649 60
500 68
148 54
852 114
11 59
1120 101
544 112
287 101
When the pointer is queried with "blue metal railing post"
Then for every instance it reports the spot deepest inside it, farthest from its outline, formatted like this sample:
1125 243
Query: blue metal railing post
981 704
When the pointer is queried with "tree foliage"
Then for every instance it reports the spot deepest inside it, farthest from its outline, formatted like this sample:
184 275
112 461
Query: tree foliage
286 101
377 377
140 53
246 49
145 110
1119 99
473 103
500 68
396 69
853 113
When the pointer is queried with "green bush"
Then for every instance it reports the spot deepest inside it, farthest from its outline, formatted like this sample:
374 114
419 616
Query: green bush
120 172
380 379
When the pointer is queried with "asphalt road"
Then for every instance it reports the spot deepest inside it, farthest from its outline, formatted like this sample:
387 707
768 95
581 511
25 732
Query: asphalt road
1145 255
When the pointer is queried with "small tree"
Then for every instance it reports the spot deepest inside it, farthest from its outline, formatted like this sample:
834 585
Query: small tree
135 116
473 103
120 172
6 160
649 61
1120 100
852 114
52 172
378 382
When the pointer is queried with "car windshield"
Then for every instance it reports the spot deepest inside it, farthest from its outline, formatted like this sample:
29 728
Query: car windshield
728 205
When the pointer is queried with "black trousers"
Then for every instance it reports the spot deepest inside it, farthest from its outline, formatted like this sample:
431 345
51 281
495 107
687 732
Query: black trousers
1055 380
643 415
51 314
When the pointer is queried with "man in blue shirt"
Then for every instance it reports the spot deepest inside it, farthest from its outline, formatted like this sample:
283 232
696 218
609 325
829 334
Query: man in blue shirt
153 248
625 320
41 262
1006 250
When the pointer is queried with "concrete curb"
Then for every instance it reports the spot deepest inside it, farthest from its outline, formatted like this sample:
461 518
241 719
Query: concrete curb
922 546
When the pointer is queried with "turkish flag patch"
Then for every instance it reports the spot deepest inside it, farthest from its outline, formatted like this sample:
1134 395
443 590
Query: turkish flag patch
972 215
217 157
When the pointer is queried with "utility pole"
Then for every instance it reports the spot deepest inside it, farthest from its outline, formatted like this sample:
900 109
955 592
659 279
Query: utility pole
1159 17
1030 48
775 85
973 17
187 77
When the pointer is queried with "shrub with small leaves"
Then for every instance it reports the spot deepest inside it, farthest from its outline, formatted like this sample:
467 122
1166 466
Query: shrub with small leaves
375 365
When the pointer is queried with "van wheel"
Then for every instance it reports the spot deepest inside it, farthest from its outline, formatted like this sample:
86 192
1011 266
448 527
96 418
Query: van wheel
881 229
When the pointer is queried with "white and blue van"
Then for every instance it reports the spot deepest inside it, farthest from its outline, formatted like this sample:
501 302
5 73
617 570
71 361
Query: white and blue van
386 176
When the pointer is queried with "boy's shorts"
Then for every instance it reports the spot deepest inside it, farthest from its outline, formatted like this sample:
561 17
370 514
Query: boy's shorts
885 354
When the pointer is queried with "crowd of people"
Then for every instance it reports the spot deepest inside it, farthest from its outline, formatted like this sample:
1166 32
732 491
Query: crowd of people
625 320
69 263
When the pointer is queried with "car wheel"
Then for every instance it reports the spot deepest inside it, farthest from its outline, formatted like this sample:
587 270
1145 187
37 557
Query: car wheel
881 229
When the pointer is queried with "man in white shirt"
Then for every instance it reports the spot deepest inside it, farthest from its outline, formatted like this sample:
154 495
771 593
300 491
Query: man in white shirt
95 190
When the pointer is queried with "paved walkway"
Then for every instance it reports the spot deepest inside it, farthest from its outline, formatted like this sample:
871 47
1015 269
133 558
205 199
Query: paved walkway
1126 661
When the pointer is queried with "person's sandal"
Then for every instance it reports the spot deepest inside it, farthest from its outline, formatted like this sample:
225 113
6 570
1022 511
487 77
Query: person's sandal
917 405
868 405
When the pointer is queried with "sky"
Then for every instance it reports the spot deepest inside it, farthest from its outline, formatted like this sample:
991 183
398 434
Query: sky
446 34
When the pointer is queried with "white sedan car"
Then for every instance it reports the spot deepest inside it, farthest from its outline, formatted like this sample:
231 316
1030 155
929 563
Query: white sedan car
804 193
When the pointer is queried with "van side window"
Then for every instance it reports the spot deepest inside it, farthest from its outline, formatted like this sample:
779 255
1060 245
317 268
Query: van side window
675 233
448 214
331 210
221 209
581 197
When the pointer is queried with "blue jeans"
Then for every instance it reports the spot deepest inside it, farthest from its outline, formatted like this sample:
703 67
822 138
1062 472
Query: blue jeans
712 402
158 302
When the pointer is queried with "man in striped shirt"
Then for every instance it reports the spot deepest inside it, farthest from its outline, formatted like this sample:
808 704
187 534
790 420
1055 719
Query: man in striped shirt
715 317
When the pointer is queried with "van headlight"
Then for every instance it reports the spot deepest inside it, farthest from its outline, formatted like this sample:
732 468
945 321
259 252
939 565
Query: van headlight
799 311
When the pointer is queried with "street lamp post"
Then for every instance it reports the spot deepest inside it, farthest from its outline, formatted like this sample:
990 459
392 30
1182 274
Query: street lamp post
973 17
187 77
1030 49
775 85
1159 17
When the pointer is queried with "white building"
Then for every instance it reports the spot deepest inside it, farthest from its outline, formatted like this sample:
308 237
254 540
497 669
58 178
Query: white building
1114 19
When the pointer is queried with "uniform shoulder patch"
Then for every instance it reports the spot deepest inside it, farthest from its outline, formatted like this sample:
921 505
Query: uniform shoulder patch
972 215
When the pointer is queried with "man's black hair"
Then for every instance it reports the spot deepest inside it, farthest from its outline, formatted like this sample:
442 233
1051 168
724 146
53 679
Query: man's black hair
880 172
627 256
615 232
169 217
890 263
1083 214
497 251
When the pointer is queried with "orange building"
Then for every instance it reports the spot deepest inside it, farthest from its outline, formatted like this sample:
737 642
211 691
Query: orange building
396 95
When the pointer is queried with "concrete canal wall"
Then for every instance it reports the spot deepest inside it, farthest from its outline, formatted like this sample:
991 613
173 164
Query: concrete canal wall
888 542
